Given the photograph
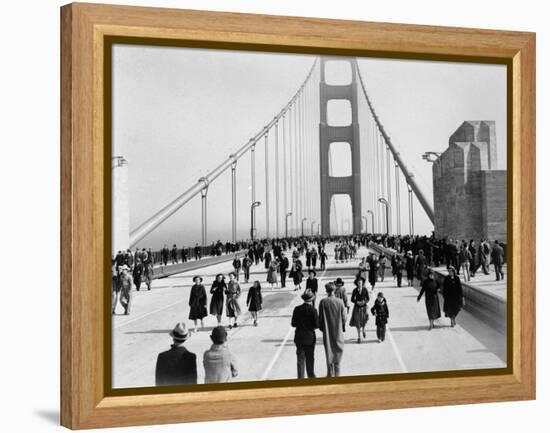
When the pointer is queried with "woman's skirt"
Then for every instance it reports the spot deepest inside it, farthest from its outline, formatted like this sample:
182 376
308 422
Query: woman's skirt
197 312
432 307
216 306
272 277
359 317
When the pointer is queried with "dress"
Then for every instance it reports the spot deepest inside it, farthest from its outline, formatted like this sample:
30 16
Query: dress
429 289
233 292
452 296
216 303
254 299
359 315
197 302
272 272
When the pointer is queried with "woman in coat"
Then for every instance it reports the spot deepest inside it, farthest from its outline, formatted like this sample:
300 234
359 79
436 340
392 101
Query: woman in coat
254 300
453 299
216 303
197 302
232 292
297 274
359 315
272 272
430 289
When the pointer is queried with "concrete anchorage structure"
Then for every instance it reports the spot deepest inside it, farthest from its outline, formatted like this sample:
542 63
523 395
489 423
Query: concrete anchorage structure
121 205
469 190
332 185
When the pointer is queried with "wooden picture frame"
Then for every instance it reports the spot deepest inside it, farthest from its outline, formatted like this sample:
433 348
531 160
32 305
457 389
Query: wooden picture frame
84 29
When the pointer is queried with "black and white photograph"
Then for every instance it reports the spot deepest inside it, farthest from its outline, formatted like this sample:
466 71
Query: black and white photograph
285 216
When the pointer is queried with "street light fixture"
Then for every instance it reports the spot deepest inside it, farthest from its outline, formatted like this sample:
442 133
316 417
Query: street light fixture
431 156
303 220
252 207
288 214
372 219
387 205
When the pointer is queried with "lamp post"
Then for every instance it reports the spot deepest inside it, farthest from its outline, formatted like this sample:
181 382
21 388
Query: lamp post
252 207
303 220
288 214
363 217
372 219
312 224
387 205
431 156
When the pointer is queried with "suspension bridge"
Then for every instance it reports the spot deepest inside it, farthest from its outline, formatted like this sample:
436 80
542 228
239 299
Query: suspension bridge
314 167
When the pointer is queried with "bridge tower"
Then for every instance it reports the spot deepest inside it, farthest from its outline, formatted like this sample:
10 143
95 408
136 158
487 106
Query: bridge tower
332 185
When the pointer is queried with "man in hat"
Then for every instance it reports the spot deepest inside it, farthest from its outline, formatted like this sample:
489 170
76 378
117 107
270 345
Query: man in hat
219 363
177 366
332 323
126 283
306 321
312 284
340 292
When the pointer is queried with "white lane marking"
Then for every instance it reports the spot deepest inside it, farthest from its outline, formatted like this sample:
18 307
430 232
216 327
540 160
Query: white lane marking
396 351
276 356
283 343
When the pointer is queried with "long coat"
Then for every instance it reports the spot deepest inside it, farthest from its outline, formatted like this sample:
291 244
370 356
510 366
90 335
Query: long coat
373 271
332 322
233 292
452 296
216 303
254 299
176 366
197 302
429 289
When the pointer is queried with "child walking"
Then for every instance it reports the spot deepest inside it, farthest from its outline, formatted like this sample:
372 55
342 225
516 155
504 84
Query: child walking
382 314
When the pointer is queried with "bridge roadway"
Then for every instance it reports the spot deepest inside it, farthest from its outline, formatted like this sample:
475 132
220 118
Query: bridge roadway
267 352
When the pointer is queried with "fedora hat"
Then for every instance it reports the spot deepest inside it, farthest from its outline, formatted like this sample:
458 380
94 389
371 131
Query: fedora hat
311 271
197 277
124 268
308 295
339 282
180 332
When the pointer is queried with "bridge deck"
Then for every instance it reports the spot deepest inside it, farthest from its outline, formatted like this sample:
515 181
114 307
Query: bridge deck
268 352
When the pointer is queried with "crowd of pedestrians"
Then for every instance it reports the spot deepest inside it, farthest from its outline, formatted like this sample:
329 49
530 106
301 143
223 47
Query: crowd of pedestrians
300 259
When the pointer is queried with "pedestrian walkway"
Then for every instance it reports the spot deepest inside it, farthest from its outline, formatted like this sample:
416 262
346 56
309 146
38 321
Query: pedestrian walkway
267 352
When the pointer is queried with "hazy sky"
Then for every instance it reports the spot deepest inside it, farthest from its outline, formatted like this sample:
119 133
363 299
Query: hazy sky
179 112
